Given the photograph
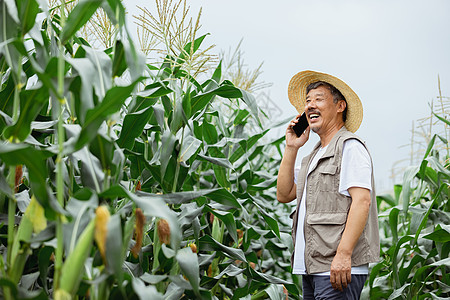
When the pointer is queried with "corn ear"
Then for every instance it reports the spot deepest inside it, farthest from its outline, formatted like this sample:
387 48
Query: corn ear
62 295
37 214
139 232
19 254
101 229
18 179
72 270
163 231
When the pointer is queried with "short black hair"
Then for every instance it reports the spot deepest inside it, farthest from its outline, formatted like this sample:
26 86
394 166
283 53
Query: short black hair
337 95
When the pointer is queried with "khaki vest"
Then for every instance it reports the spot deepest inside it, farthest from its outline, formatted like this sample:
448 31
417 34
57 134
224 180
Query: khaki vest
327 209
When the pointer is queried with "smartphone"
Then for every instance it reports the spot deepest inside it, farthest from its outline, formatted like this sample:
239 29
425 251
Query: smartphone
301 125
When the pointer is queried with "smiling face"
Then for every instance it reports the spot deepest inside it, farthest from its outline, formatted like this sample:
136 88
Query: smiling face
324 115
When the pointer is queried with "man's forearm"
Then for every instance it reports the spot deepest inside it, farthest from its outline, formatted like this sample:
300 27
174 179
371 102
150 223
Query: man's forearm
285 181
356 220
340 273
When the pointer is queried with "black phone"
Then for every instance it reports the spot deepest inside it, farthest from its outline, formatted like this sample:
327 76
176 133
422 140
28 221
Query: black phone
301 125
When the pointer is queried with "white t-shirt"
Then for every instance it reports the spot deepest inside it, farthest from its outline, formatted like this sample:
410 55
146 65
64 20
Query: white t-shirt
356 171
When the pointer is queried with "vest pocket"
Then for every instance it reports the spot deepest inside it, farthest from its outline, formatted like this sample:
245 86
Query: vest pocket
327 177
325 232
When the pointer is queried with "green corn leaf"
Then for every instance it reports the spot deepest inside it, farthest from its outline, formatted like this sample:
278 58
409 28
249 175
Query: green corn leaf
190 49
241 117
101 68
177 117
103 148
398 292
273 224
119 63
186 103
223 162
34 160
78 17
148 97
436 165
27 9
250 100
408 177
189 265
44 256
267 278
4 187
189 147
224 197
397 191
405 272
442 262
116 11
133 126
210 135
199 101
221 176
217 73
228 219
152 207
393 223
441 234
31 103
207 243
231 271
442 119
179 197
146 292
82 87
398 245
7 96
112 103
425 217
73 268
245 145
168 142
435 266
430 146
114 247
23 235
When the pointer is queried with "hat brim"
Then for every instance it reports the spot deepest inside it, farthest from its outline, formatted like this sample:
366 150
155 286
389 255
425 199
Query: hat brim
297 95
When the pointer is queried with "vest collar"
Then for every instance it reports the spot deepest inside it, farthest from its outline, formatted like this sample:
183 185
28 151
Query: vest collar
332 145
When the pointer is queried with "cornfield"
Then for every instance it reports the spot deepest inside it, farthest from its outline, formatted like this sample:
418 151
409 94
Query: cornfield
122 178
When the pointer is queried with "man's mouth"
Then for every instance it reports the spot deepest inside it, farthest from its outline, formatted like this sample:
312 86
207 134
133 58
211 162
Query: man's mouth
313 116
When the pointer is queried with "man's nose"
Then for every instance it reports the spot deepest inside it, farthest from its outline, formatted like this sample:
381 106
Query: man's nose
310 104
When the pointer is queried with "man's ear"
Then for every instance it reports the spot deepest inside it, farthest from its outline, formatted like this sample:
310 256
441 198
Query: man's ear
342 105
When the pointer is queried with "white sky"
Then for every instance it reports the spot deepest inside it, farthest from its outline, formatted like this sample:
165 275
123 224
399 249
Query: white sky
389 52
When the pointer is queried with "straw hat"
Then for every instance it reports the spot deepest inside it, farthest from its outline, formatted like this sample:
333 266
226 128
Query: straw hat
297 95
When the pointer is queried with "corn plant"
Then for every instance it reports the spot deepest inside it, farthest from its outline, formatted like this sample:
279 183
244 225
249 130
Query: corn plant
122 180
415 232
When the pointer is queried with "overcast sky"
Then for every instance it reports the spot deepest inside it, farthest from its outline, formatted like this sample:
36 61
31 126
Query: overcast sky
390 52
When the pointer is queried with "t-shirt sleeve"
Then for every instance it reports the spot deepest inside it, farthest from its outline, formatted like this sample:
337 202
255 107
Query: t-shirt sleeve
356 167
296 170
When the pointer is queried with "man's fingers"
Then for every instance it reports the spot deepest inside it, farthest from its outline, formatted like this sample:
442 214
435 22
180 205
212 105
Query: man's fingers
333 279
339 281
343 281
349 276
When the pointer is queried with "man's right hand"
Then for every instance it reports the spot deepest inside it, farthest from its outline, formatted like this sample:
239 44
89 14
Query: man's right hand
292 140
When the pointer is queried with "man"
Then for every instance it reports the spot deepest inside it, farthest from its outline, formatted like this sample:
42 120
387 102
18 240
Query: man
335 224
